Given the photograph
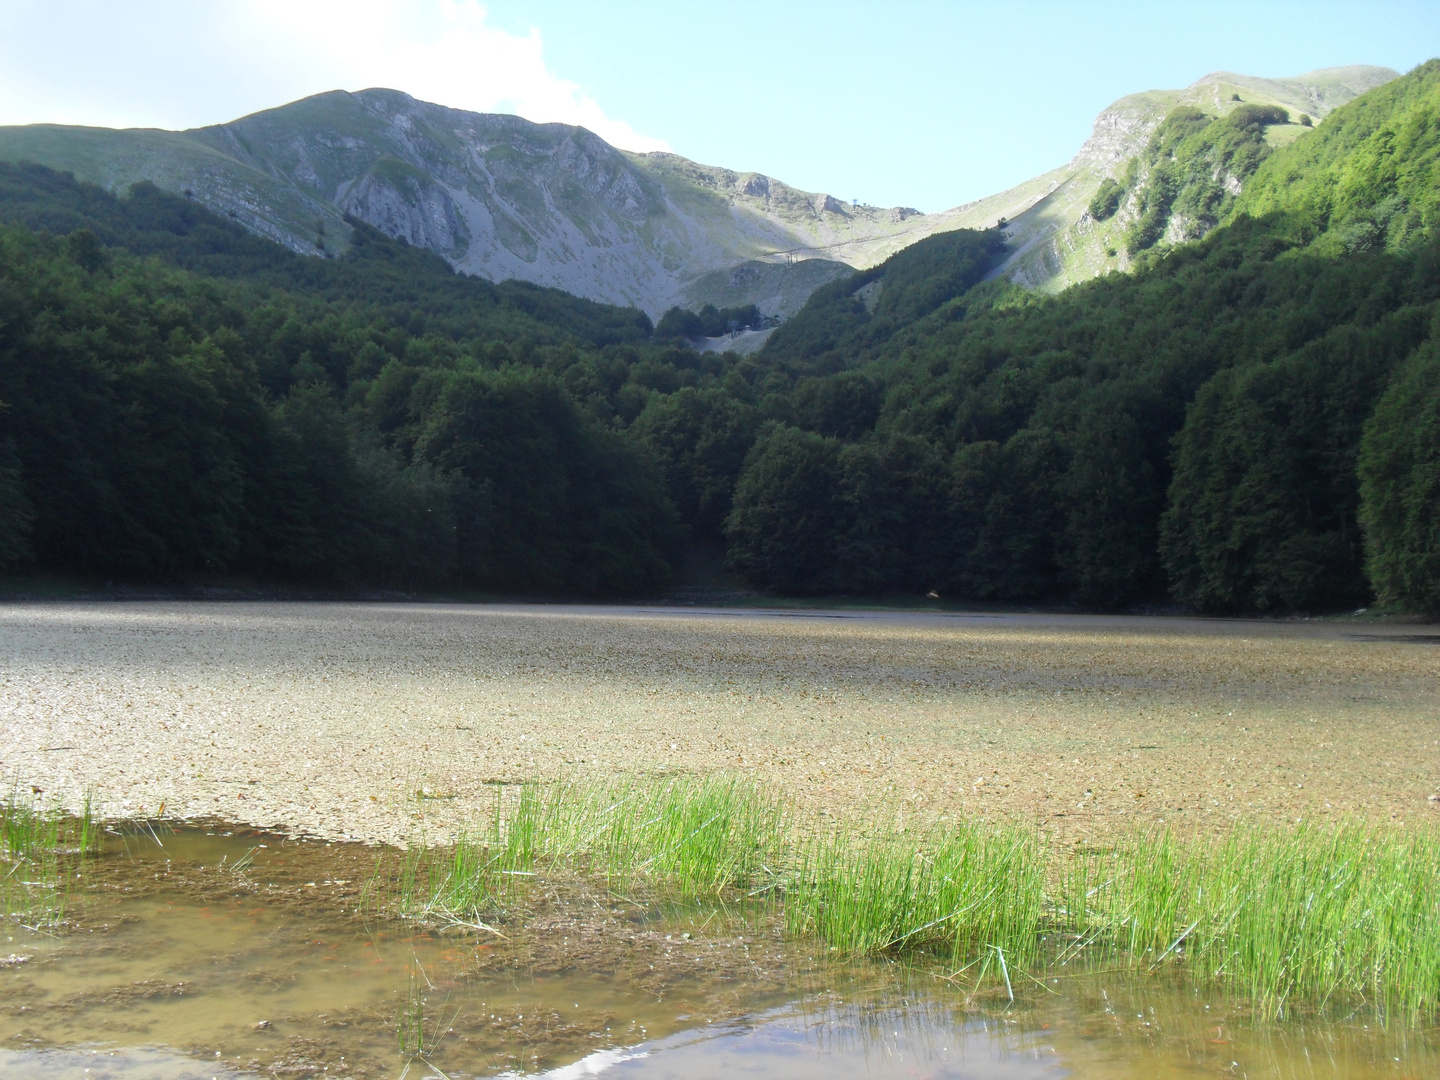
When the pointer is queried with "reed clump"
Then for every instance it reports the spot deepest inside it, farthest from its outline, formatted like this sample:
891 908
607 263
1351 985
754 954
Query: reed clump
968 886
685 836
1313 914
38 845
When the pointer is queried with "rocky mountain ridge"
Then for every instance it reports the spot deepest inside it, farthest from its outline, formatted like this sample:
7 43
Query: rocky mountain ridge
501 197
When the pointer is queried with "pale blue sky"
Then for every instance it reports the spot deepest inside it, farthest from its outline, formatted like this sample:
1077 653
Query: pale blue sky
908 102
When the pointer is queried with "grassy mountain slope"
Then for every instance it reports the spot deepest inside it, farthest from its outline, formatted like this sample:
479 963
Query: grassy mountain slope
1058 241
1372 182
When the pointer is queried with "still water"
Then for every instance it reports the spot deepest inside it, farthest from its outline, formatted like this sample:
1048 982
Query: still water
217 953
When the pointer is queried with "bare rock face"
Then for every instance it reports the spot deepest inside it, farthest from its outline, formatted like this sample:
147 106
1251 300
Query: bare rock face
423 213
758 186
1119 133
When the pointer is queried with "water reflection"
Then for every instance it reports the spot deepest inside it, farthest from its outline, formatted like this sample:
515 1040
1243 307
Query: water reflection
109 1064
849 1041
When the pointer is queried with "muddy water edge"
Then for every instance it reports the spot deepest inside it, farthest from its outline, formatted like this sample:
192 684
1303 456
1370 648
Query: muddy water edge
215 950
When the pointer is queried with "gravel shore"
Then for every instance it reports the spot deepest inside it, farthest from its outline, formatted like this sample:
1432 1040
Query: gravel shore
377 721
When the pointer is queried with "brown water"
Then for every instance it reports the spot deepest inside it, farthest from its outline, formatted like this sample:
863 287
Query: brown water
176 965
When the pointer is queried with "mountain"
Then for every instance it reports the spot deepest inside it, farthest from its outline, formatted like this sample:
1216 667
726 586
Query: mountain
1057 240
496 195
501 197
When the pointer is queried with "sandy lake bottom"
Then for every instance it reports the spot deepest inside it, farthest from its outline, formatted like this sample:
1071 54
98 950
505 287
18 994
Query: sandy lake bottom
337 727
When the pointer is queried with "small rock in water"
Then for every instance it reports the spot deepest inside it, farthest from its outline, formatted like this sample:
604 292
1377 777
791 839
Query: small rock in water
262 1025
15 960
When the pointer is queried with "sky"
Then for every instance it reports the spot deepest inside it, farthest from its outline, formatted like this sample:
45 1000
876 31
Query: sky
911 103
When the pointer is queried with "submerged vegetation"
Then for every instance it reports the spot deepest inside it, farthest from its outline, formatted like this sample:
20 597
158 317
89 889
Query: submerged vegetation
1296 919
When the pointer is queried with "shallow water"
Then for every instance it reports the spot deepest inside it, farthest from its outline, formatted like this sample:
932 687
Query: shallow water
174 964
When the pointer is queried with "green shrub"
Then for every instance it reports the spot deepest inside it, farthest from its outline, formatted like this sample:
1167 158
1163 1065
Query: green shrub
1106 200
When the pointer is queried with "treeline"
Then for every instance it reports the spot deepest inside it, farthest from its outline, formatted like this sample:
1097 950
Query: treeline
1250 422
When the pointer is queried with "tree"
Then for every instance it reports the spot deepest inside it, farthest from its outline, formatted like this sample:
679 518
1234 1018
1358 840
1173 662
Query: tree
788 513
84 248
1400 486
17 516
700 439
572 508
1263 504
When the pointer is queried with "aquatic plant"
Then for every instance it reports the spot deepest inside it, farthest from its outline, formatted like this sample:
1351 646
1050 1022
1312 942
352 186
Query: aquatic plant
685 836
418 1034
37 842
969 886
1312 913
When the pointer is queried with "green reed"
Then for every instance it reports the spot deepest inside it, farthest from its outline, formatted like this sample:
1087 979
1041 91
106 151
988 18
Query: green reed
1312 914
39 845
962 888
692 835
681 835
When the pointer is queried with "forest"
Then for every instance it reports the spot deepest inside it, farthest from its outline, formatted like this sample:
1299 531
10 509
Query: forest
1249 422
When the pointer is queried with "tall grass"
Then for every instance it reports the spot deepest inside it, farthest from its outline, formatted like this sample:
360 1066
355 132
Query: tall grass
1311 914
685 836
691 835
37 845
967 887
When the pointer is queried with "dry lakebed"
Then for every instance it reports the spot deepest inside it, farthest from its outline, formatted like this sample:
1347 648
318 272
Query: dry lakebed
376 721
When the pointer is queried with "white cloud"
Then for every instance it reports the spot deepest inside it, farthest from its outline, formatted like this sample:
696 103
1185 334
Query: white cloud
444 51
167 63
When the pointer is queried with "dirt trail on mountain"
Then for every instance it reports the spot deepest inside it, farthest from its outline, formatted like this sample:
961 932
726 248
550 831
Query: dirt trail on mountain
373 721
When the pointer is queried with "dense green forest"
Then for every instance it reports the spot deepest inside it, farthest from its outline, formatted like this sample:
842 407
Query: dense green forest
1249 422
1220 428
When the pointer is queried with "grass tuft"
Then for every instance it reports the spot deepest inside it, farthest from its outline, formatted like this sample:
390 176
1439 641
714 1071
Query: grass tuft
967 887
1312 914
36 844
687 837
